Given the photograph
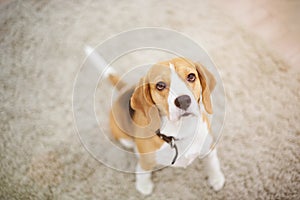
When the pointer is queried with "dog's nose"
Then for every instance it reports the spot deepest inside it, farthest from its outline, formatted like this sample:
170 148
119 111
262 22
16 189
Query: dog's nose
183 102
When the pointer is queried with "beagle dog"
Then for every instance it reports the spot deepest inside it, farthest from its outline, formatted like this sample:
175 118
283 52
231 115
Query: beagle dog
165 119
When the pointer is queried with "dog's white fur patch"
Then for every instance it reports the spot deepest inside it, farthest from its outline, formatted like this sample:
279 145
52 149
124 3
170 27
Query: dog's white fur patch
143 182
127 143
216 178
191 132
177 88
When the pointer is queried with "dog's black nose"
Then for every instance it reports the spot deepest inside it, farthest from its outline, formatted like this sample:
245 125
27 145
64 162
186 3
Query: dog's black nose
183 102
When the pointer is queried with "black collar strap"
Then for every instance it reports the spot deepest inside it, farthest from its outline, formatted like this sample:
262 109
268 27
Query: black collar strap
171 141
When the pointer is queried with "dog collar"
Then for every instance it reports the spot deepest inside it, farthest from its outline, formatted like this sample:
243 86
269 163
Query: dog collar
171 141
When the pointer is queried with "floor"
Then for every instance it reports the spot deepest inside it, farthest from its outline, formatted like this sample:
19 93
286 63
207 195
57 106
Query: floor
46 145
277 22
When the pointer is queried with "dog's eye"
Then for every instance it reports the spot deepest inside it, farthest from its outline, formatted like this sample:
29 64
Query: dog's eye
160 85
191 77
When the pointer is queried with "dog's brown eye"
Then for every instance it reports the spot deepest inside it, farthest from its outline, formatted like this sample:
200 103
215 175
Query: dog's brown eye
160 85
191 77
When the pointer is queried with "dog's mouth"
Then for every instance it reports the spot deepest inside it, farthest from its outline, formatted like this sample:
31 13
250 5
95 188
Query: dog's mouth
186 114
183 114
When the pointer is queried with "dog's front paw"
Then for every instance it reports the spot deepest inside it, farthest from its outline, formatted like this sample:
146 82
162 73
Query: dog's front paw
216 181
144 186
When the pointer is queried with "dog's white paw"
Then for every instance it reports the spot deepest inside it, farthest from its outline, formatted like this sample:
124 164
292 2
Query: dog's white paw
216 181
144 186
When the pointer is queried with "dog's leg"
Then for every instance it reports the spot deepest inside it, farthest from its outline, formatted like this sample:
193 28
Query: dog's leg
216 178
143 181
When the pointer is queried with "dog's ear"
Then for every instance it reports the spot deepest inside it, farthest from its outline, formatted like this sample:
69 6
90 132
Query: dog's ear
208 83
142 103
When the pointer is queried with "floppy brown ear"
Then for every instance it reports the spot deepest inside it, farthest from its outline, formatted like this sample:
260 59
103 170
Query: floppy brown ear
208 83
142 103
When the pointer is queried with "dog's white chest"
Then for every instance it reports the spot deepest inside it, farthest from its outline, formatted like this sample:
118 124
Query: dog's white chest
192 135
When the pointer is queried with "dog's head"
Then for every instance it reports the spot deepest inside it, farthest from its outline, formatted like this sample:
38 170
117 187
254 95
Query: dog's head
174 88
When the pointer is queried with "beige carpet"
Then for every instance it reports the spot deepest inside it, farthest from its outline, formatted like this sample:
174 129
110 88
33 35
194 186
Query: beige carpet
41 49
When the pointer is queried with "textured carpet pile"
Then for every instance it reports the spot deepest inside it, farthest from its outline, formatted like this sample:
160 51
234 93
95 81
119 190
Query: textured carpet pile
41 50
